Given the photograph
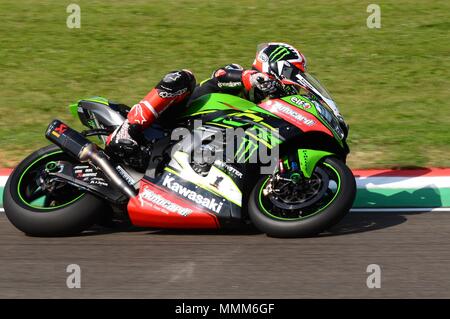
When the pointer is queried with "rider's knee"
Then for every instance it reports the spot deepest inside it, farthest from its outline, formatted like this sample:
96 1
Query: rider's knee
177 83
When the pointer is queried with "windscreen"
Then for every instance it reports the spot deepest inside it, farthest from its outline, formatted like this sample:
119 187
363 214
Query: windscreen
308 82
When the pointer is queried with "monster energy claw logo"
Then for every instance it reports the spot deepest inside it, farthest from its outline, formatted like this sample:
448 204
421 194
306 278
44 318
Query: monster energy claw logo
247 147
279 53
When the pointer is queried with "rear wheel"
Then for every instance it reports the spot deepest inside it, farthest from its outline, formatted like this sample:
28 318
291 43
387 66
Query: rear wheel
41 207
299 207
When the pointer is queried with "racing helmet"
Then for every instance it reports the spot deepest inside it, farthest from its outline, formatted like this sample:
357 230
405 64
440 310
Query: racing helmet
282 61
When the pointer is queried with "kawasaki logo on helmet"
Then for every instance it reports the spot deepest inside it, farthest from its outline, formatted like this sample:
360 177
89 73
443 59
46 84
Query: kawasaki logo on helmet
206 202
279 53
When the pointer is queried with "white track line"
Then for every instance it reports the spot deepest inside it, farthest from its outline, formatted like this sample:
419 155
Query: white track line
3 180
399 210
403 182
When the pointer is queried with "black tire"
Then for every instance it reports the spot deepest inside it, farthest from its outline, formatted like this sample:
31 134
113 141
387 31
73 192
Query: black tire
70 219
309 226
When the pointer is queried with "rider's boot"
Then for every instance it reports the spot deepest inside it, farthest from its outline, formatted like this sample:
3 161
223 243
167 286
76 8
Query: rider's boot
128 148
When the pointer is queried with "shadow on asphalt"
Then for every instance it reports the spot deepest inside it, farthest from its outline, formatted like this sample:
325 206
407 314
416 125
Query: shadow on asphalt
245 230
353 223
239 231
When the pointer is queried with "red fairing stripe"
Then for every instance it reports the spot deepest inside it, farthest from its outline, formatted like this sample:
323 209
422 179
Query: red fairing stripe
296 116
157 207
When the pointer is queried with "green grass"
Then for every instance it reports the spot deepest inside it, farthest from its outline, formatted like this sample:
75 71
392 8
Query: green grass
392 84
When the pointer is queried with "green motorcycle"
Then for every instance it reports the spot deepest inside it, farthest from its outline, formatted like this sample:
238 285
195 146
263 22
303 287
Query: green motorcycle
279 165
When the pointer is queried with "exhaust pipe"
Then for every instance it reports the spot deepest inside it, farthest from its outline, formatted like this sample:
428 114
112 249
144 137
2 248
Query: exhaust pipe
84 150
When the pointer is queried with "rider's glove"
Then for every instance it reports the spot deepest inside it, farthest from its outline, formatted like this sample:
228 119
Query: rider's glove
263 82
258 85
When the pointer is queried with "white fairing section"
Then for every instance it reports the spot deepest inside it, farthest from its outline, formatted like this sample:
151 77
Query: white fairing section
226 188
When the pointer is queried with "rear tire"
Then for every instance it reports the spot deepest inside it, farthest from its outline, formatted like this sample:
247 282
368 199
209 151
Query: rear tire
64 220
311 225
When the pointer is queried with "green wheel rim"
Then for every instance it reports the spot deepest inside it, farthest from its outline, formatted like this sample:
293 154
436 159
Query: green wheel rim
260 196
40 207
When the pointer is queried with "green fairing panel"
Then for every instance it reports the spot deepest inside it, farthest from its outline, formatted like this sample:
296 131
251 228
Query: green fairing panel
74 110
219 101
299 100
308 160
98 99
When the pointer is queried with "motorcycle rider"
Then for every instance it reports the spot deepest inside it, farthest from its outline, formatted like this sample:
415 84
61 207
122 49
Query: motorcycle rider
179 87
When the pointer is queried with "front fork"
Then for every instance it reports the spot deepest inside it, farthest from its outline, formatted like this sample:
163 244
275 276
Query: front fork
296 167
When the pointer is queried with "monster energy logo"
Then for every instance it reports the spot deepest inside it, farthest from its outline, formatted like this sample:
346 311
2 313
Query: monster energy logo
279 53
256 144
247 147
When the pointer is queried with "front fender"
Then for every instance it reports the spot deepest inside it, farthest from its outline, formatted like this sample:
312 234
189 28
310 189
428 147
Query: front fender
309 158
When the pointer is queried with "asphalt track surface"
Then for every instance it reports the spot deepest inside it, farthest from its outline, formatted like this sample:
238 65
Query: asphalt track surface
413 251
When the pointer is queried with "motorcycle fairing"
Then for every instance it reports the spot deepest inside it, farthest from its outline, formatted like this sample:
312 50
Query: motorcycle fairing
98 112
216 181
179 197
220 101
296 116
157 206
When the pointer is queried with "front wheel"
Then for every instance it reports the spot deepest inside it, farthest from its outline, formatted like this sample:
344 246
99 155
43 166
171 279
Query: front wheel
290 206
44 208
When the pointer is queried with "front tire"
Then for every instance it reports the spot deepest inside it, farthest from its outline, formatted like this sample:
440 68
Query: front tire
77 212
314 223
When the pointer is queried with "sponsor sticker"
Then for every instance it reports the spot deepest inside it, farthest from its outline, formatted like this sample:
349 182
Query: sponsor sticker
297 116
166 95
209 203
148 196
228 168
229 84
59 130
263 57
172 77
300 103
98 181
125 175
